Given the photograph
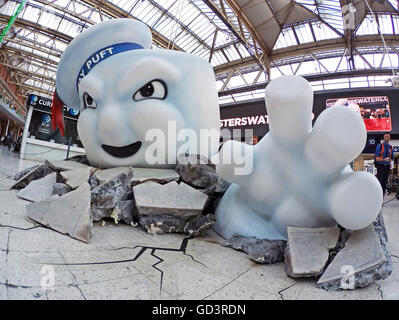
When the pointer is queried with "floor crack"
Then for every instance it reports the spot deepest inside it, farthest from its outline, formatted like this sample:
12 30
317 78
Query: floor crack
6 264
182 249
281 291
19 228
381 292
75 284
224 286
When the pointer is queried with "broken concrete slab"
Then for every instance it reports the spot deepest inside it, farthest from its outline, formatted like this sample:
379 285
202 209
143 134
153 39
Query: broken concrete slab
380 227
75 178
162 223
308 250
24 172
259 250
109 174
172 198
200 225
100 213
124 211
141 175
363 260
166 223
196 170
69 214
219 188
39 190
93 181
106 195
40 172
60 189
63 165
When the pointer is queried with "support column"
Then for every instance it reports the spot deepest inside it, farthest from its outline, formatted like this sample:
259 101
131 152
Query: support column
8 124
25 134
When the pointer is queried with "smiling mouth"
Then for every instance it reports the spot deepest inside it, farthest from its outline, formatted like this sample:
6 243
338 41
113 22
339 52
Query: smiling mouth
122 152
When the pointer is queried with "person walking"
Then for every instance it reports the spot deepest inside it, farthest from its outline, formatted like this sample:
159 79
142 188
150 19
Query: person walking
383 157
9 140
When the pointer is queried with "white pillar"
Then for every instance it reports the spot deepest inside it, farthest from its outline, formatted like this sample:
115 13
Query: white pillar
25 134
8 123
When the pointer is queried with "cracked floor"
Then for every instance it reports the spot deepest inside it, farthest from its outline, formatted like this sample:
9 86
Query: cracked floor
122 262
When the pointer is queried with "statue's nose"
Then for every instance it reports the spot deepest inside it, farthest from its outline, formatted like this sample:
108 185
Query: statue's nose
112 126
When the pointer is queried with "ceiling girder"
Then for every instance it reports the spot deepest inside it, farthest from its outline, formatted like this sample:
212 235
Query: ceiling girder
316 77
116 12
310 48
260 59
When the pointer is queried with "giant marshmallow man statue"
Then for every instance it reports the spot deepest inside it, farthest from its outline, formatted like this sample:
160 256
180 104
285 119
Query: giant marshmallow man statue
300 174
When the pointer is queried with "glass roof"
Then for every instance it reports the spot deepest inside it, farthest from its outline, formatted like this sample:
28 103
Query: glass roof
247 42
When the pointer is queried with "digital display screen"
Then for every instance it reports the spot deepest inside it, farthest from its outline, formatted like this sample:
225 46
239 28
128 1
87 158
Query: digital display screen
375 111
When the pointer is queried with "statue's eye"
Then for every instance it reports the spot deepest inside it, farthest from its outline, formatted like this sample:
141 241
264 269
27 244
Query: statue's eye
155 89
88 101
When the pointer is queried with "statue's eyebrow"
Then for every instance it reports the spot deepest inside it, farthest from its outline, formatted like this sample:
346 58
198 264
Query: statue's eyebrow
93 85
145 70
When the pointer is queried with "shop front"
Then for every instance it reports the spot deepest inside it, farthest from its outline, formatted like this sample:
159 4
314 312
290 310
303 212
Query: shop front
40 141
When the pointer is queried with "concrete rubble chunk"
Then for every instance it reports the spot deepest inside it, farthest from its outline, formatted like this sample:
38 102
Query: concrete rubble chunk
363 260
220 187
93 181
308 250
40 172
124 211
172 198
100 213
198 172
69 214
39 190
200 225
61 188
166 223
24 172
106 195
75 178
162 223
380 227
63 165
259 250
141 175
109 174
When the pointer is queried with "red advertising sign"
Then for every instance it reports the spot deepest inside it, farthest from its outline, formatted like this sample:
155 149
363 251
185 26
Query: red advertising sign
375 111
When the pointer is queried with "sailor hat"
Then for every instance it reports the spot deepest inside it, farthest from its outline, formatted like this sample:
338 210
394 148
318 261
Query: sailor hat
93 46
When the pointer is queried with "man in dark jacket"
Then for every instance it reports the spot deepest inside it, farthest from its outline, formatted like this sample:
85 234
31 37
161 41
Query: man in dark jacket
383 157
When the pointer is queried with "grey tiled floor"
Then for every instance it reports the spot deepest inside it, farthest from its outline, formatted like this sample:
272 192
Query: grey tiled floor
205 270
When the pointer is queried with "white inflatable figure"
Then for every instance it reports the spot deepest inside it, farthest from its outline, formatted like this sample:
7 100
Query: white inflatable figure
124 89
300 175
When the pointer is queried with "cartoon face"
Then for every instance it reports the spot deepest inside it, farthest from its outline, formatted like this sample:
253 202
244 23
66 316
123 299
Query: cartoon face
140 107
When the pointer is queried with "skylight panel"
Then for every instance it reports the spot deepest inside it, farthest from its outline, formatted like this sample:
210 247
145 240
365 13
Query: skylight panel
323 32
285 39
304 33
329 10
368 26
385 23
